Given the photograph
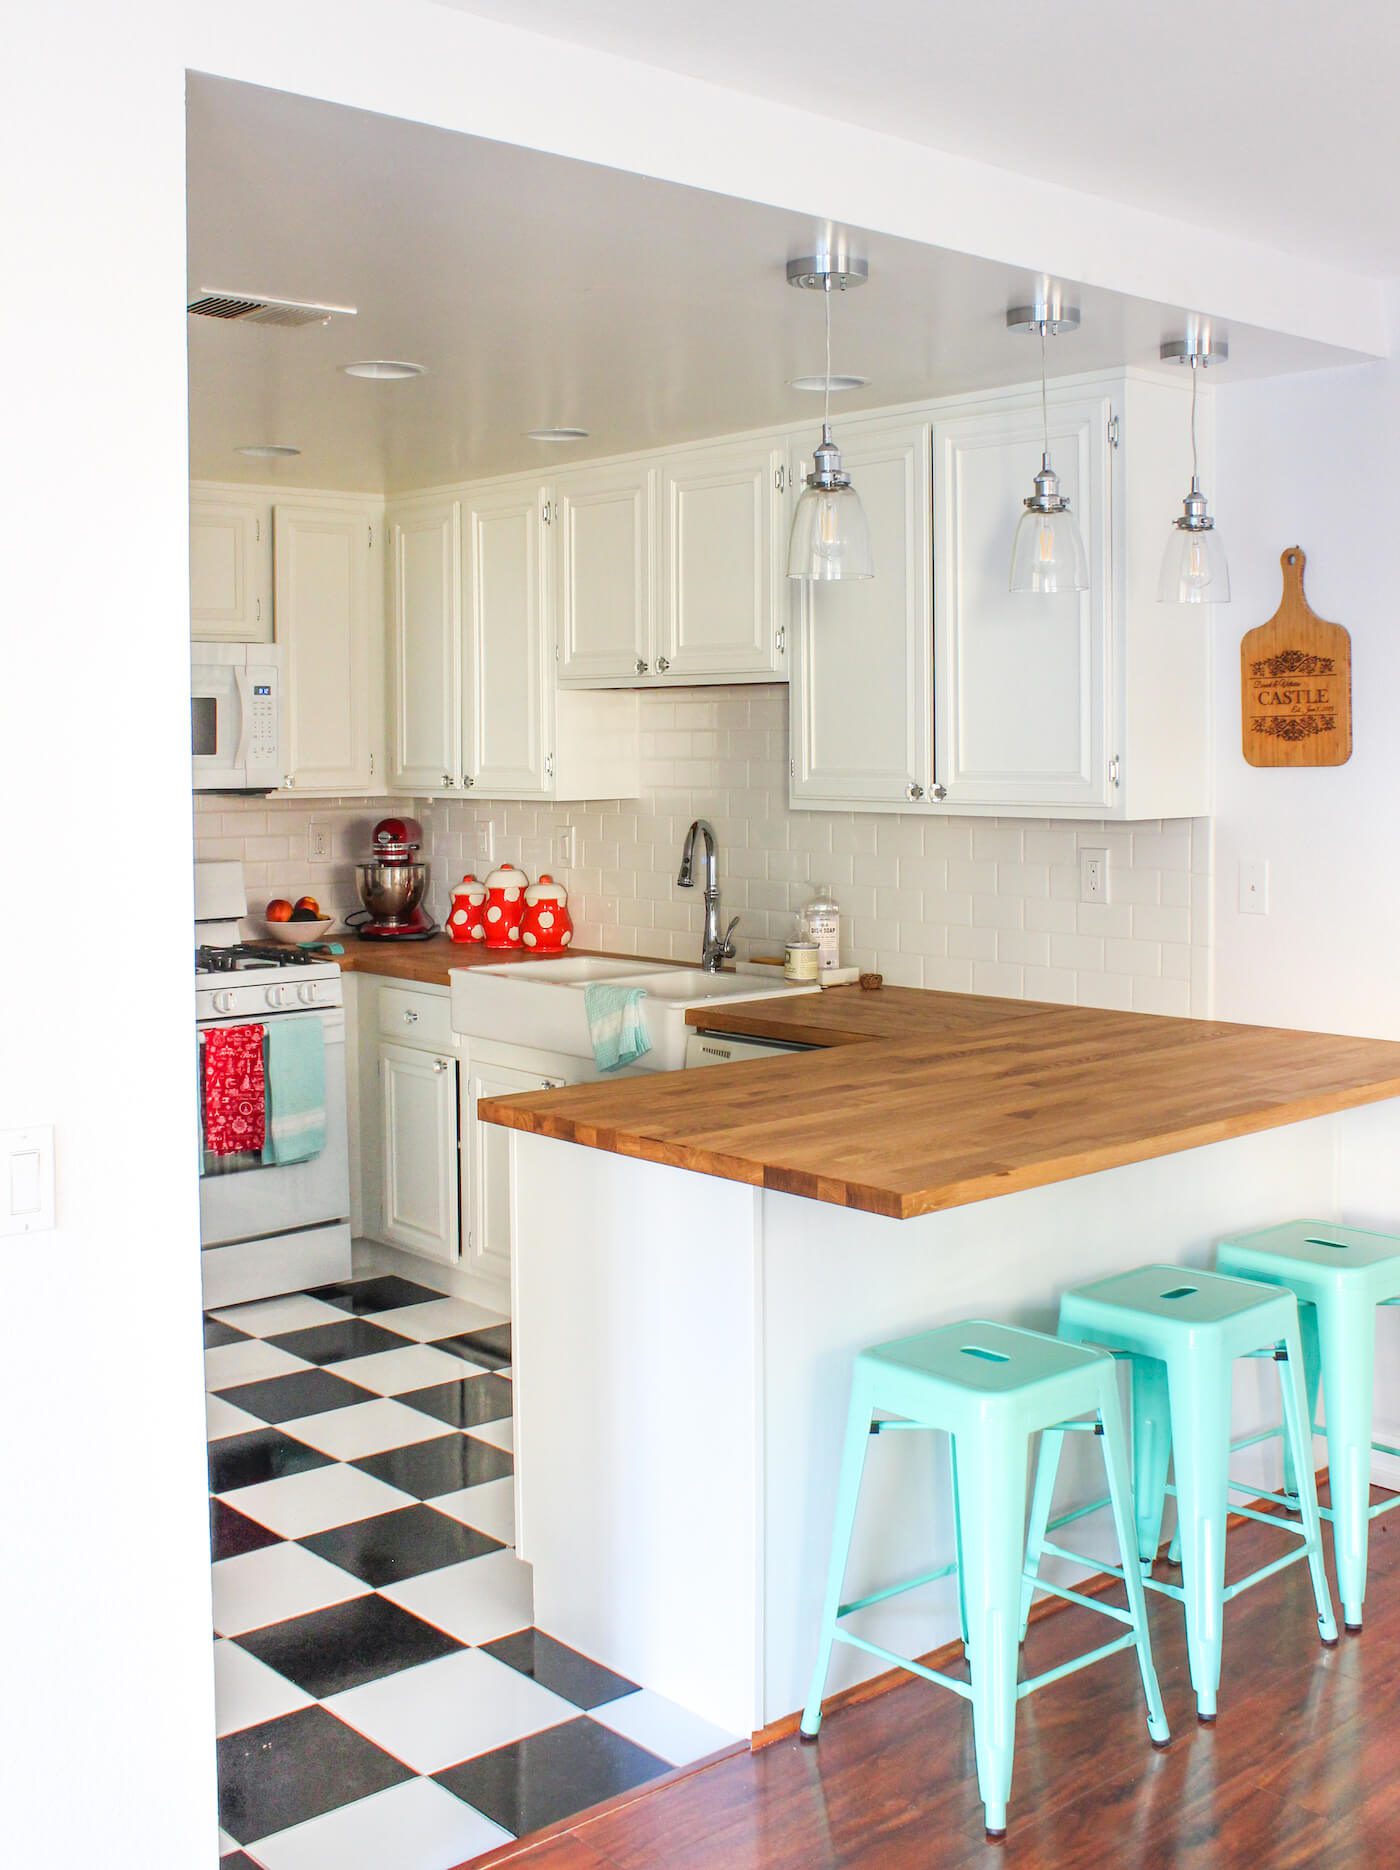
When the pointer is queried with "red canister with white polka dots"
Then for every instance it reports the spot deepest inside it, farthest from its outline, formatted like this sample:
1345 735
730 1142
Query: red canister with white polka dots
467 919
548 927
505 906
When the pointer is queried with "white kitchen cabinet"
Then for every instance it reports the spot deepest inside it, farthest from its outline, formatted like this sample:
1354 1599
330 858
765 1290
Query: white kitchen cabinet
723 604
425 645
419 1143
230 567
328 611
862 654
605 573
505 699
486 1147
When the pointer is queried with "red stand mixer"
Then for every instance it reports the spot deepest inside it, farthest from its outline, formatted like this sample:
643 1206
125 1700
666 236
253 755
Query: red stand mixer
392 884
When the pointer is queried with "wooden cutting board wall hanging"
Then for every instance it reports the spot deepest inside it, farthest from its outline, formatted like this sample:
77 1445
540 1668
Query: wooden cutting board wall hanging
1295 682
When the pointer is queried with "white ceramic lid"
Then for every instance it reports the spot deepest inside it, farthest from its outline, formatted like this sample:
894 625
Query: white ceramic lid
507 877
547 891
470 886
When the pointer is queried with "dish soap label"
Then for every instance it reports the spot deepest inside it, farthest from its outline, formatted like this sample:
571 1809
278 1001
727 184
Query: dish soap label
823 919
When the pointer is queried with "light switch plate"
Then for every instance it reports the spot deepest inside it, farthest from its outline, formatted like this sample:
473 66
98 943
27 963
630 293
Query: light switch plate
1254 886
566 847
484 846
26 1180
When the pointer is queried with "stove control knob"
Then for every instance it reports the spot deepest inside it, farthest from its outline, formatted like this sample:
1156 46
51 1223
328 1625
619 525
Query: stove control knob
276 996
310 993
223 1001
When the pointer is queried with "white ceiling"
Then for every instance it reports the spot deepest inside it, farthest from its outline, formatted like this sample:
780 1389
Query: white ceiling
1273 119
540 291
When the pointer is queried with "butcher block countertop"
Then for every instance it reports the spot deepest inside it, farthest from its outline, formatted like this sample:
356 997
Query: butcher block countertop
428 961
920 1101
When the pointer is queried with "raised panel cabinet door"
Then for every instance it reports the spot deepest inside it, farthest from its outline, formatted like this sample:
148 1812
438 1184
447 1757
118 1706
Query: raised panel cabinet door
504 698
489 1248
1022 679
322 560
425 648
418 1095
605 579
861 701
230 570
723 585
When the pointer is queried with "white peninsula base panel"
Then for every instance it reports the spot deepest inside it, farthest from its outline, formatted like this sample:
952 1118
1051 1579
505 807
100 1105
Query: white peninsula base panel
682 1357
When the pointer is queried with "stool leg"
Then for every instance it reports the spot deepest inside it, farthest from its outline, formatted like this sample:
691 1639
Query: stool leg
847 1494
992 1485
1297 1426
1312 1377
1152 1447
1200 1395
957 1535
1047 1467
1120 1493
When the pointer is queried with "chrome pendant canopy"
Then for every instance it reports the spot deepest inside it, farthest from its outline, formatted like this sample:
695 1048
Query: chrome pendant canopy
830 536
1194 566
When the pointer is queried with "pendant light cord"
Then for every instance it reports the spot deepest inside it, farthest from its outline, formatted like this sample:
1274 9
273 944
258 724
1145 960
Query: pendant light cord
1195 462
1044 403
826 384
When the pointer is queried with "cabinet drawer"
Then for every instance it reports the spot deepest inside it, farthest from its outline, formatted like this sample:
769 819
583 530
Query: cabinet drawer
416 1018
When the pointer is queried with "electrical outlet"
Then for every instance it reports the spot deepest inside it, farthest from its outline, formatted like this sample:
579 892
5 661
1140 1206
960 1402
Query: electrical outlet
566 847
1093 876
318 844
1254 886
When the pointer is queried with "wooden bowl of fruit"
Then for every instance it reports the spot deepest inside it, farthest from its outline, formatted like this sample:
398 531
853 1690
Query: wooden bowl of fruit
301 921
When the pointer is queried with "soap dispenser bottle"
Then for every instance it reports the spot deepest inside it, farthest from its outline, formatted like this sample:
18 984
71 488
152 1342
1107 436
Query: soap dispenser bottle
823 918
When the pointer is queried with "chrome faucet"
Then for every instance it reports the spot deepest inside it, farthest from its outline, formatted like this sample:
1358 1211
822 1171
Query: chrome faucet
715 948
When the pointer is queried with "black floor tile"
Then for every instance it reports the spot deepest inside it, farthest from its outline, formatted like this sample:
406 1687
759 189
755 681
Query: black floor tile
231 1534
237 1860
394 1546
429 1469
467 1403
216 1332
333 1344
375 1295
261 1454
302 1392
545 1777
490 1347
331 1650
554 1666
285 1771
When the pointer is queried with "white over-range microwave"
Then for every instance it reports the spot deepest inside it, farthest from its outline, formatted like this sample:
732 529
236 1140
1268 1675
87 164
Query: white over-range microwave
236 717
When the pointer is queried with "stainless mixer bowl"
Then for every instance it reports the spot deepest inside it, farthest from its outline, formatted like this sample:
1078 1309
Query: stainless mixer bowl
391 892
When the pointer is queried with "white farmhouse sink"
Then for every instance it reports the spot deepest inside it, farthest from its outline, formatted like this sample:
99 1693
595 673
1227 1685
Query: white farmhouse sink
540 1003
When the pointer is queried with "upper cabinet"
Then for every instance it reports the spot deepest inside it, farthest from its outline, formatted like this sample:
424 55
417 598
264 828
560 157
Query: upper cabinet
505 703
605 573
425 742
230 568
329 611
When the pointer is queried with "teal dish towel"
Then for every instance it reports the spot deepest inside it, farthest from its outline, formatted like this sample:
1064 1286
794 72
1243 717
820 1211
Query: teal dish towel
616 1024
296 1090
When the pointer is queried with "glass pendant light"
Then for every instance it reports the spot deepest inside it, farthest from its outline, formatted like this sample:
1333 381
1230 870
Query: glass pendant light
1047 554
1194 570
830 537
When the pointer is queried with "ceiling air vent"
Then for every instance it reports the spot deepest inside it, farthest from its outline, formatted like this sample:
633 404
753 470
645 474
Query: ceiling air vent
242 308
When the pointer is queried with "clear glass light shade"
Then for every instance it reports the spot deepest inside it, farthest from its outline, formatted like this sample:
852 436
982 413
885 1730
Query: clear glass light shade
1194 570
830 537
1047 554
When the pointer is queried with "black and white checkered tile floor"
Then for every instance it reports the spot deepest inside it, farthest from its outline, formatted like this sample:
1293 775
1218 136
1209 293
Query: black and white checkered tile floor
384 1700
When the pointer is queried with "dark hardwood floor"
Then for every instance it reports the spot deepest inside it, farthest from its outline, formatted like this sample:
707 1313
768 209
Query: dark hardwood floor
1301 1769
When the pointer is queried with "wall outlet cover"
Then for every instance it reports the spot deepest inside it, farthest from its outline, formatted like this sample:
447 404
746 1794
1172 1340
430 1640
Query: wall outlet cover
1093 876
318 844
1254 886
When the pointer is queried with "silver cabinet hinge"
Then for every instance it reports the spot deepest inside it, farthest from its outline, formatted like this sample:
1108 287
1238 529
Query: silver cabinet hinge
1113 431
370 540
1113 771
780 479
549 766
558 654
792 769
371 766
780 640
257 532
547 513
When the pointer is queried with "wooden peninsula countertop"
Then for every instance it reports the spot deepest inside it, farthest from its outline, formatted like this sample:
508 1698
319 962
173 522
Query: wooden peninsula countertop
427 962
920 1100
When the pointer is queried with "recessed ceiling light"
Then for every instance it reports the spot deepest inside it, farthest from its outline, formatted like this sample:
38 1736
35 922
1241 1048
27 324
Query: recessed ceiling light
820 383
268 451
556 435
384 369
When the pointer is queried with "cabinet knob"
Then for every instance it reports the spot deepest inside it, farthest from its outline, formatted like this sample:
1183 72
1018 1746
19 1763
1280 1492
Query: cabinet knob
410 1019
288 780
938 792
912 791
641 666
440 1064
447 781
663 663
467 782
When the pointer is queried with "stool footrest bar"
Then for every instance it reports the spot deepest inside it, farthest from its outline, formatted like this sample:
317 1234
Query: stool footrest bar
1078 1512
905 1662
1075 1663
1079 1558
1232 1591
1078 1597
893 1590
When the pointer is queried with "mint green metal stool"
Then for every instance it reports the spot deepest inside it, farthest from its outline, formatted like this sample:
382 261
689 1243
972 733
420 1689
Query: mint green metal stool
1339 1276
990 1387
1182 1331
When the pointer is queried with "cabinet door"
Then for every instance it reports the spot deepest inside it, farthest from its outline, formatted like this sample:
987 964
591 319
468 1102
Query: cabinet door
230 570
861 697
723 603
504 697
425 646
489 1243
1022 680
322 561
418 1092
605 574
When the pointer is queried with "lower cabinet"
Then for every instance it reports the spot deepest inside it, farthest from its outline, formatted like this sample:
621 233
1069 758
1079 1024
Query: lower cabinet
486 1158
419 1130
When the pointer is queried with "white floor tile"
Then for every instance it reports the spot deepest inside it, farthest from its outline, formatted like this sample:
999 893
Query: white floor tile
225 1418
662 1727
438 1318
246 1691
500 1434
364 1428
489 1507
476 1601
298 1504
278 1582
293 1311
450 1710
227 1844
247 1362
390 1373
415 1826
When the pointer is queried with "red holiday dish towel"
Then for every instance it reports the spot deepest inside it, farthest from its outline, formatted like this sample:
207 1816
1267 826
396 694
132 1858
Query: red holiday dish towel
235 1090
